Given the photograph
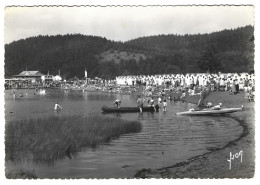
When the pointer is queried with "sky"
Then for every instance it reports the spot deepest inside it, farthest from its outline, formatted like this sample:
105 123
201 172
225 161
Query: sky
123 23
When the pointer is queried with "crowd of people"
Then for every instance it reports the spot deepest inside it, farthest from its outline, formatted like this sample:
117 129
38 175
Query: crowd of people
233 82
221 81
191 84
27 84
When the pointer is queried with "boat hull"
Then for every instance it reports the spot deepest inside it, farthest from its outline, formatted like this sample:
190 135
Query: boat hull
126 109
210 111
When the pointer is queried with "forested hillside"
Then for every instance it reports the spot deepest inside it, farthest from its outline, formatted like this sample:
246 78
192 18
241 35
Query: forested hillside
225 51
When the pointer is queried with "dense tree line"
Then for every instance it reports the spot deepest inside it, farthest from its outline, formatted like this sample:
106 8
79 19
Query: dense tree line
226 51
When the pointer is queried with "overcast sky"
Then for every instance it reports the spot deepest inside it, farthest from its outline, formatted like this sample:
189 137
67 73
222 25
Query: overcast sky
123 23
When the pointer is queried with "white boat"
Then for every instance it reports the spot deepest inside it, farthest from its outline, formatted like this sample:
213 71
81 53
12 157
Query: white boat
210 111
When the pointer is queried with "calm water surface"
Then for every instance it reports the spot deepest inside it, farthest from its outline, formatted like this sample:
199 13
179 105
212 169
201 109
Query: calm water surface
165 138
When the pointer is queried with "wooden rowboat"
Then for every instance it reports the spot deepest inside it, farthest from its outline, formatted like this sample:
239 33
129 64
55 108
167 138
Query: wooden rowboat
128 109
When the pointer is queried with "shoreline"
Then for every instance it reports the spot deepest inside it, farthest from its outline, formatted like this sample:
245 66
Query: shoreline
214 164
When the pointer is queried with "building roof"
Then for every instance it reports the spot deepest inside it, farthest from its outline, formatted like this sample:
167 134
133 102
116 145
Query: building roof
30 73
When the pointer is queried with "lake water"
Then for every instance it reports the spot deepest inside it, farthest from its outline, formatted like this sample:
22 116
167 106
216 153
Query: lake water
165 139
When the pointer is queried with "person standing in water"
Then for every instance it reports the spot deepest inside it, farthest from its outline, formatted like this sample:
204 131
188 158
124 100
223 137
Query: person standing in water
14 95
159 101
202 96
140 104
164 105
183 94
152 103
57 106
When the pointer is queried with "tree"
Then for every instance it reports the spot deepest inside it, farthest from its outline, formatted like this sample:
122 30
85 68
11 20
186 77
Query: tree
208 61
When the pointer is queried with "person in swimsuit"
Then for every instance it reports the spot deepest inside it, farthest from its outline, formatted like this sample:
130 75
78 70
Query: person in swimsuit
164 105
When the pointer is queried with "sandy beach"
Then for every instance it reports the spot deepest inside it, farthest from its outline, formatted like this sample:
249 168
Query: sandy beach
215 164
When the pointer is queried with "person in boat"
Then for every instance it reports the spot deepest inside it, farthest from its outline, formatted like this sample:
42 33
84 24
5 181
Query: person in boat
217 107
57 106
140 104
209 104
164 105
117 103
192 110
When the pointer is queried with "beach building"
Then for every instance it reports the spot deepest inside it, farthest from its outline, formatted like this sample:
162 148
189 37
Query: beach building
47 78
33 76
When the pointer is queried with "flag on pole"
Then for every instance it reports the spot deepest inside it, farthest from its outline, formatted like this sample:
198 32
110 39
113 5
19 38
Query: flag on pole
86 74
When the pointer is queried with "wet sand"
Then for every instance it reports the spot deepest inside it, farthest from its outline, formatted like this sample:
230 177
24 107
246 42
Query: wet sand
214 164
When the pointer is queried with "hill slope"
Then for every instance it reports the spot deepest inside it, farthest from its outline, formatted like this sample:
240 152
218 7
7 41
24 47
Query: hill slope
229 50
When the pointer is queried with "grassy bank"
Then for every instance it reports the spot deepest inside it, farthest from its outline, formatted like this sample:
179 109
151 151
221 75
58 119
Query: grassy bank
21 174
46 140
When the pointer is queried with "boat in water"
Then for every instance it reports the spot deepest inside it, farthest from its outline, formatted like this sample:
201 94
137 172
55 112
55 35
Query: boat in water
210 111
108 109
